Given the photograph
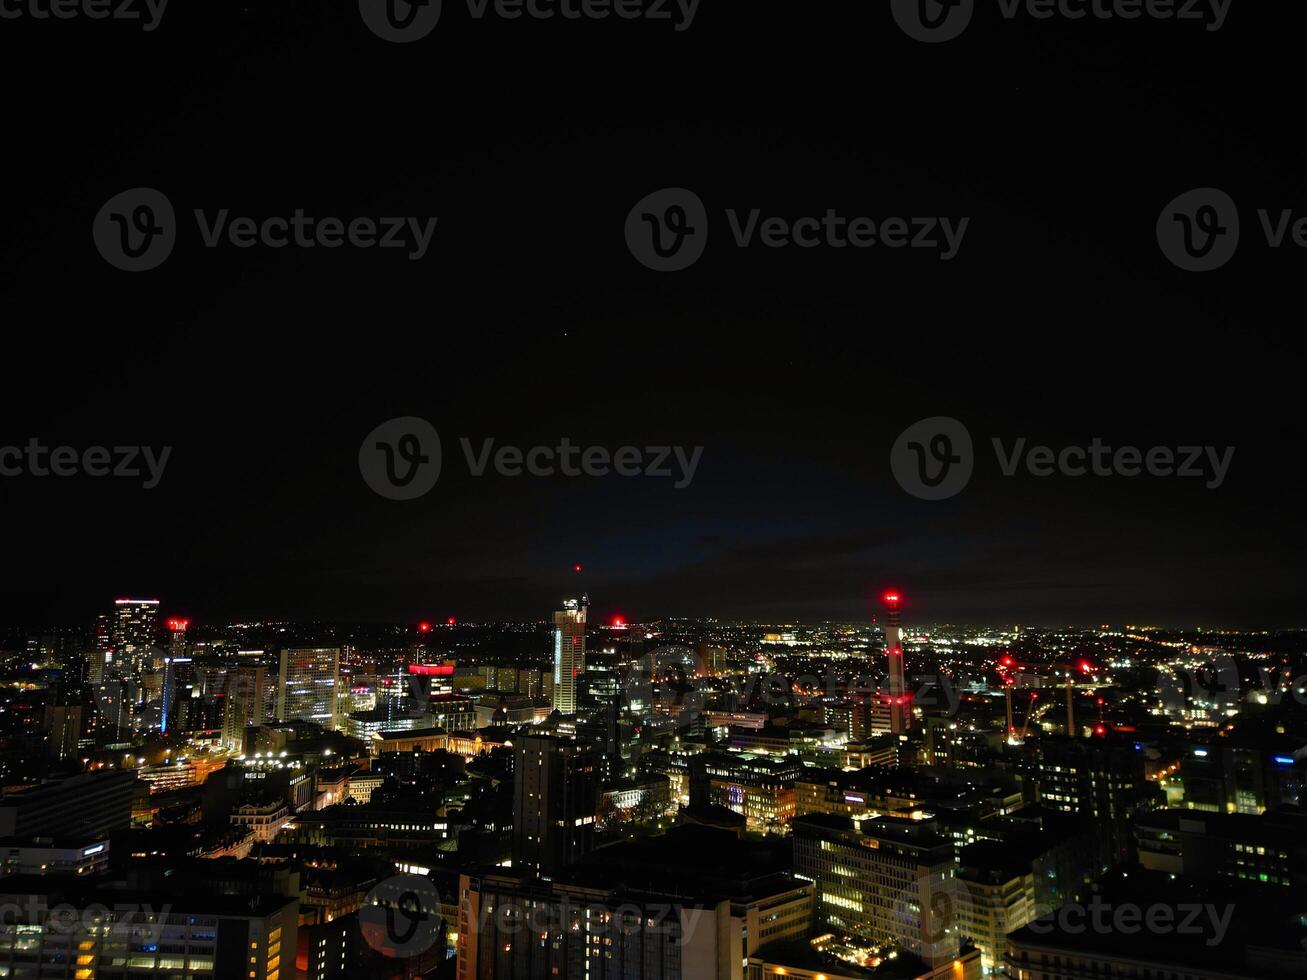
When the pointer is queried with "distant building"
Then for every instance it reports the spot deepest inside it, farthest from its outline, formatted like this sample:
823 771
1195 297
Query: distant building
77 855
569 652
243 698
409 740
308 680
759 788
645 795
134 628
62 725
263 819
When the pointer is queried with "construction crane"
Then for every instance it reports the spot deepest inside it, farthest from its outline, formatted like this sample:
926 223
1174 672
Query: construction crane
1007 666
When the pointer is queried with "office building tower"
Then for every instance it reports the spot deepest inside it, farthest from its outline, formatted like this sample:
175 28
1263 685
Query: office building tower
887 880
62 725
569 652
134 623
176 683
308 681
1100 780
900 710
242 708
555 802
97 660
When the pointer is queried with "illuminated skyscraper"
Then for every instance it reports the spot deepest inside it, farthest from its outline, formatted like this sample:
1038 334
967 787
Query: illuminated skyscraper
307 683
569 652
900 710
133 632
242 704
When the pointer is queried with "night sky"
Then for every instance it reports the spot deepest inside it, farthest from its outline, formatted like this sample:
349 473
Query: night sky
795 370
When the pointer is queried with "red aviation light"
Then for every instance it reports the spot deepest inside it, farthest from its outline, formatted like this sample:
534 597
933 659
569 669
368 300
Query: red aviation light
577 567
178 625
892 598
424 627
1085 667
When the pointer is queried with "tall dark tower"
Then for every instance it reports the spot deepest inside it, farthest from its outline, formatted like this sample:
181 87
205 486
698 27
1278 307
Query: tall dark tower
900 710
555 802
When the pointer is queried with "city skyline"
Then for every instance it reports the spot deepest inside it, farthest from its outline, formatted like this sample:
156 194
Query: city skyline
652 490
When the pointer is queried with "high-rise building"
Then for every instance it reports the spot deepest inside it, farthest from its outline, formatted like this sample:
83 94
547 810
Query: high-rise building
888 880
555 802
569 652
134 622
242 703
1101 780
900 710
308 681
62 725
176 682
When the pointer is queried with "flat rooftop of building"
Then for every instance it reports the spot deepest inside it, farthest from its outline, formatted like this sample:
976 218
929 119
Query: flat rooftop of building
433 732
1255 916
57 842
80 892
690 860
799 955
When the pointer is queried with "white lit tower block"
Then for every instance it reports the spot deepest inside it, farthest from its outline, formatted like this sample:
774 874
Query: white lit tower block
569 652
900 706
